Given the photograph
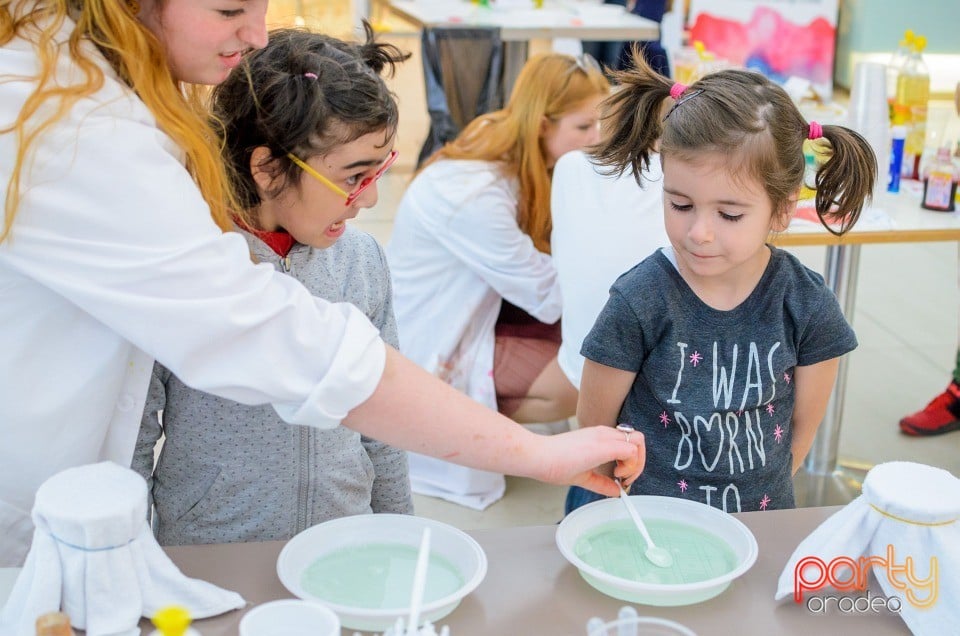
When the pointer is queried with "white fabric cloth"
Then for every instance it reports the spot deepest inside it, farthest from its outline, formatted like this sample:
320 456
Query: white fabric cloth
602 226
456 250
94 557
469 487
114 261
907 511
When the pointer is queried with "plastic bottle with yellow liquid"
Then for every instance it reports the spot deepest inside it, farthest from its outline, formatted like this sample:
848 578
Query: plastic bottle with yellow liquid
910 107
895 65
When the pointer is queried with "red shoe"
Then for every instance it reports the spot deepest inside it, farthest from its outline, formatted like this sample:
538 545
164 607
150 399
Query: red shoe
942 415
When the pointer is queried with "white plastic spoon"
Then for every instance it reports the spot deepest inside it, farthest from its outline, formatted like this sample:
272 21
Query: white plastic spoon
657 555
419 583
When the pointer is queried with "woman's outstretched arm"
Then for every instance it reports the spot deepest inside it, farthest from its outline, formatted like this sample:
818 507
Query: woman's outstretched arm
413 410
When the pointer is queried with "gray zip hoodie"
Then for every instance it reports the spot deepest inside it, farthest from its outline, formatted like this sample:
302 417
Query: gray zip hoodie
229 472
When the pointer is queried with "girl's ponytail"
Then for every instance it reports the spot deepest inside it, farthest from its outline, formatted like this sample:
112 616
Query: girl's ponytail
845 181
632 118
379 56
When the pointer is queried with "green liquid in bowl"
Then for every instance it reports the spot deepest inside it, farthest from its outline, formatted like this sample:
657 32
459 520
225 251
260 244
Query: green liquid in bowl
617 548
377 576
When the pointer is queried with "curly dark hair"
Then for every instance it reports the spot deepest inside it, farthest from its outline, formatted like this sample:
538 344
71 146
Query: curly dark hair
304 93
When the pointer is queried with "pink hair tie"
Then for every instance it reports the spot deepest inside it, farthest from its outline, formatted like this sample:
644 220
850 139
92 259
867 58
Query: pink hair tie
677 90
312 76
816 131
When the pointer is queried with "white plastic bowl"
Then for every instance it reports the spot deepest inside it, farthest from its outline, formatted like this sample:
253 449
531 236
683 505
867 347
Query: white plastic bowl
700 516
447 542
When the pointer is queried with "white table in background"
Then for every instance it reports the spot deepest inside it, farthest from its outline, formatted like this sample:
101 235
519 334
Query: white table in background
579 19
557 19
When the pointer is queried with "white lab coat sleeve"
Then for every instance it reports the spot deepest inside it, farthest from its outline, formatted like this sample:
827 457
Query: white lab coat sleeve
111 221
483 232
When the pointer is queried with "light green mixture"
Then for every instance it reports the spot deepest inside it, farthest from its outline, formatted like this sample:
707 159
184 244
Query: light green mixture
377 576
617 548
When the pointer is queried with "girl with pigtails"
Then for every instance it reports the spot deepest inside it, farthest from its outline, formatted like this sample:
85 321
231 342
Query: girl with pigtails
720 348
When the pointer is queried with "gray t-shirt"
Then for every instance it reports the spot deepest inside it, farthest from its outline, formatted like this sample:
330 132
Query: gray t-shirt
713 393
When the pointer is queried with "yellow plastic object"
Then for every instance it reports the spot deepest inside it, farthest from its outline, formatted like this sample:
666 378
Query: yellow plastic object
908 37
702 51
172 621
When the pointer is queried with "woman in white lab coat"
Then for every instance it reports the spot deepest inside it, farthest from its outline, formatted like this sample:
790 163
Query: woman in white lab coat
476 294
111 256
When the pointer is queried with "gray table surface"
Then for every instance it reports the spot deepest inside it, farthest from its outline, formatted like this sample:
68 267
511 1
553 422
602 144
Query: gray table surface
530 589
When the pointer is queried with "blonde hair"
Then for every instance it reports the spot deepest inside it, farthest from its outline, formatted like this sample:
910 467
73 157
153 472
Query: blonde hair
549 85
139 60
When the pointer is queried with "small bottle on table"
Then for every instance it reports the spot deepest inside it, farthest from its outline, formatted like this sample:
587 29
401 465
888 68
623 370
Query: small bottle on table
940 184
54 624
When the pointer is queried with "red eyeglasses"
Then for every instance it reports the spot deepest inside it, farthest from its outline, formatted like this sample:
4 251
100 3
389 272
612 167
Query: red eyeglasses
366 183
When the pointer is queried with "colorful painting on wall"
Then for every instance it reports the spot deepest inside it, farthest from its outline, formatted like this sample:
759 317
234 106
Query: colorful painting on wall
779 38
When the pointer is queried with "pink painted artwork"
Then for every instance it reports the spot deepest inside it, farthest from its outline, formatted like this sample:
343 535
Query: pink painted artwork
779 39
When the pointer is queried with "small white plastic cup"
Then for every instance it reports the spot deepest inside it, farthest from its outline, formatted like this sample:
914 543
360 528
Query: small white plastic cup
628 623
290 617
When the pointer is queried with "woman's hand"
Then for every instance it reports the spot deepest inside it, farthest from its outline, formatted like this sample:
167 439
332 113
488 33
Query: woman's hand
411 409
582 458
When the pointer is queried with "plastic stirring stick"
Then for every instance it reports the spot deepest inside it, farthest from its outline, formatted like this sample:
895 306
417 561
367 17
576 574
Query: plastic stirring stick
657 555
419 583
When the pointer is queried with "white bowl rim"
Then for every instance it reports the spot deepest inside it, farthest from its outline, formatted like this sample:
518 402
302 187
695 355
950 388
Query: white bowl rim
267 606
641 586
372 613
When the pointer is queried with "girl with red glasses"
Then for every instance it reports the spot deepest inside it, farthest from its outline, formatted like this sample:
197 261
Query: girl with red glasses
231 472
